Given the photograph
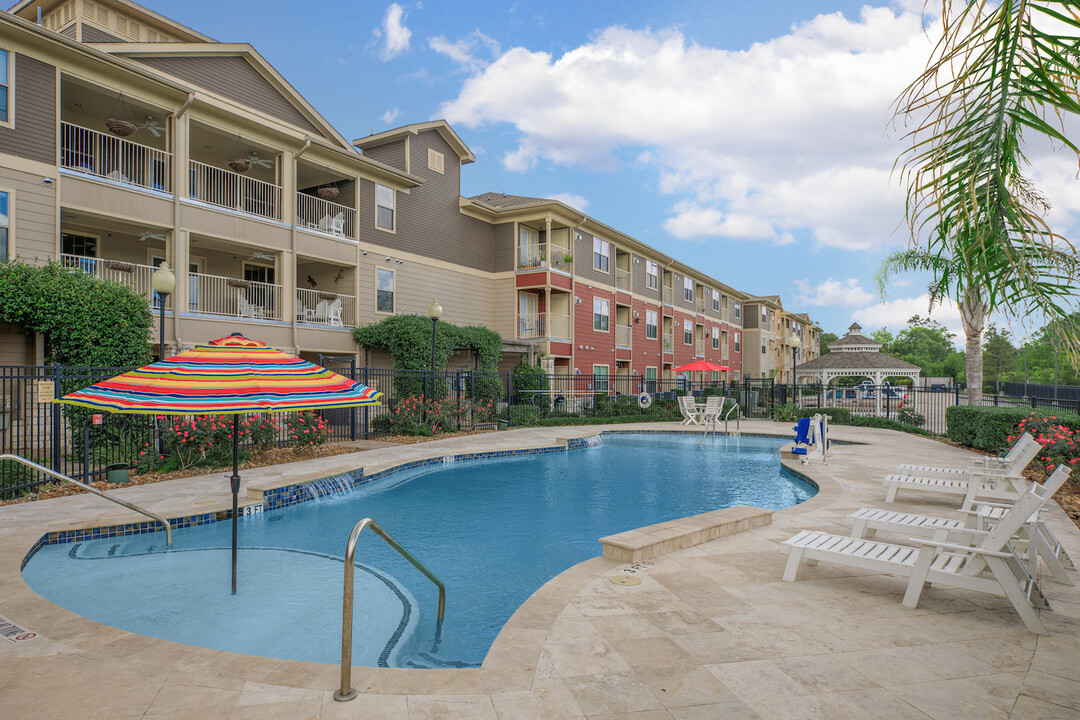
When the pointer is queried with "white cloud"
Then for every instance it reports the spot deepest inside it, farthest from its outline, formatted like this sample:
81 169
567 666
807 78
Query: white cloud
394 34
464 51
894 314
390 116
577 202
786 137
845 293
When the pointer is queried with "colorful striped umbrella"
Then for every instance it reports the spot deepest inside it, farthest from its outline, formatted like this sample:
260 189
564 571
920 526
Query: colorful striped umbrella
231 375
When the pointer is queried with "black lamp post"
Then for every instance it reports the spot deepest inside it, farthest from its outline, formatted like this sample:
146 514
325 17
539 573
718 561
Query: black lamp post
434 312
164 282
795 344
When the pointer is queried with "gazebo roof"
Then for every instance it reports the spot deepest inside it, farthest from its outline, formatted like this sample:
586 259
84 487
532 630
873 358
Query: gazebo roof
856 361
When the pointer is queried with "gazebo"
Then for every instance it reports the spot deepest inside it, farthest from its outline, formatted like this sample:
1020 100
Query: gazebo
856 355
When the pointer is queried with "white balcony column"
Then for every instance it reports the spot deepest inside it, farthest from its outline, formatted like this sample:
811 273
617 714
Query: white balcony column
547 247
286 270
178 249
180 145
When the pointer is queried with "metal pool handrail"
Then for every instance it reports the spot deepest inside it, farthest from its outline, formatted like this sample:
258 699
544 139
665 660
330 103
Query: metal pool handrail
84 486
728 414
346 691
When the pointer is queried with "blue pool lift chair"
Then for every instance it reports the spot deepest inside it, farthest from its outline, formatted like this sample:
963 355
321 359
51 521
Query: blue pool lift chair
802 437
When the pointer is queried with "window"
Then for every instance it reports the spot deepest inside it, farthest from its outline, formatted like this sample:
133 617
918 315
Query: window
716 338
601 309
716 376
528 247
650 379
5 223
600 251
716 300
764 314
82 245
736 376
435 160
600 378
384 207
688 289
737 345
763 349
384 290
737 308
6 110
650 324
652 274
688 332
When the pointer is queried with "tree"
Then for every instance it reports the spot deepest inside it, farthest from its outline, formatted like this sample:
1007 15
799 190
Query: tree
993 75
999 355
827 338
928 344
884 337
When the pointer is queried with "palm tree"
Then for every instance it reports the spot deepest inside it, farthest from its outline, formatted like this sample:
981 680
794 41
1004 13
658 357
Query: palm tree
977 224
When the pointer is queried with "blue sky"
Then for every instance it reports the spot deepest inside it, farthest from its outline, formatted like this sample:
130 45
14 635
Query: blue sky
753 145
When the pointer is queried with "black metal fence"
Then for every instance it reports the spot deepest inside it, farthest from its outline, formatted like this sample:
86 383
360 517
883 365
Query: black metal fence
72 441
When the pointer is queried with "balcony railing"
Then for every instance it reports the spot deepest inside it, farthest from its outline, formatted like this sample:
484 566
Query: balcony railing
132 275
622 336
559 260
531 256
234 191
323 308
669 295
701 304
558 326
622 279
669 342
531 326
216 295
112 158
323 216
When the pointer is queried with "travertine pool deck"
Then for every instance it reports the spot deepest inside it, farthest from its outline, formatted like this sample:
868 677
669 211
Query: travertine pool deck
710 632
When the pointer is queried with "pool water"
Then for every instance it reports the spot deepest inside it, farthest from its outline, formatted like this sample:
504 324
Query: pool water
493 530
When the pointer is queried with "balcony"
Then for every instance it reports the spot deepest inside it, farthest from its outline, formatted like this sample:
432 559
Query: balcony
326 217
234 191
669 342
562 259
323 308
531 326
700 304
137 277
669 295
622 336
233 297
558 326
622 279
532 256
112 158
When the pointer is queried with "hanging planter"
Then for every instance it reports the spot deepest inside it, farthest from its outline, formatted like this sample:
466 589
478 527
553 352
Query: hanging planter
117 122
329 189
240 160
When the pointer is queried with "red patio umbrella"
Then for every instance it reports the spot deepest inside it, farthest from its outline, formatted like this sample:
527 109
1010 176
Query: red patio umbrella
231 375
700 366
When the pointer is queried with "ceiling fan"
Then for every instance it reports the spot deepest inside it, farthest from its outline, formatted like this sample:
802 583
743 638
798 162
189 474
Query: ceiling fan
155 128
260 256
151 235
256 160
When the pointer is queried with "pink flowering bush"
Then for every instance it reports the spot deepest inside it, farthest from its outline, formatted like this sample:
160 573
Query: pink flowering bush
202 440
1060 443
307 430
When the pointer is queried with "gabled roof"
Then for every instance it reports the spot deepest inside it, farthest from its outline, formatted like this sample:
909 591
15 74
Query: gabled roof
500 200
157 51
773 300
47 6
856 340
441 126
856 361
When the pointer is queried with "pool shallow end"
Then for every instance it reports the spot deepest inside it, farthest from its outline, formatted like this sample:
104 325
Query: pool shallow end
652 541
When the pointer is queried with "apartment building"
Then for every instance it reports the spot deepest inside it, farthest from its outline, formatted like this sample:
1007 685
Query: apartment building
130 139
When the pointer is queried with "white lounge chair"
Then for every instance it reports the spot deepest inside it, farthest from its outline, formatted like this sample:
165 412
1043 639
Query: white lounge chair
248 310
991 566
1007 464
1004 484
333 313
1032 535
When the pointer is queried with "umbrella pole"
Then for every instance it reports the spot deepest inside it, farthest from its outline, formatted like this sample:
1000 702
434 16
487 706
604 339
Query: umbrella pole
234 482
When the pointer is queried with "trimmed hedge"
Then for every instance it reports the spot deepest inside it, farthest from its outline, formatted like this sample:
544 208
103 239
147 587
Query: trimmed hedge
989 428
886 424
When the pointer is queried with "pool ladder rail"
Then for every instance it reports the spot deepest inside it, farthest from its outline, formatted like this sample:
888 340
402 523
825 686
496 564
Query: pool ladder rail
346 691
94 490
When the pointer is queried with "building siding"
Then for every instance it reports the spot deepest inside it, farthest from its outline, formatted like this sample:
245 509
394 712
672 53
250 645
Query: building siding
583 260
33 214
91 34
392 154
233 78
34 134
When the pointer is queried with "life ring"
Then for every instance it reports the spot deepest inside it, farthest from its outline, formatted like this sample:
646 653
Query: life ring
644 400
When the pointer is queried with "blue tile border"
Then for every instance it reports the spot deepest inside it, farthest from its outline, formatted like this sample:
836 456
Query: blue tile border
288 495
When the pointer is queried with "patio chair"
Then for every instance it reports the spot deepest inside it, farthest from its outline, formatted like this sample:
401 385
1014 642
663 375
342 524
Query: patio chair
1006 464
333 313
248 310
334 225
1034 535
689 410
989 484
991 566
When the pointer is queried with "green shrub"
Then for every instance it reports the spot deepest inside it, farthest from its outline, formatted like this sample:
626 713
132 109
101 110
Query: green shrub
983 428
527 380
910 417
886 424
837 416
382 423
307 430
522 415
786 412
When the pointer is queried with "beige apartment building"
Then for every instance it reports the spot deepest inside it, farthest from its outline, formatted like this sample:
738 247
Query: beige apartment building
129 139
778 340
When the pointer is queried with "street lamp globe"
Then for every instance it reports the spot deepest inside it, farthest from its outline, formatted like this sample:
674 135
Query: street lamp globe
434 311
163 280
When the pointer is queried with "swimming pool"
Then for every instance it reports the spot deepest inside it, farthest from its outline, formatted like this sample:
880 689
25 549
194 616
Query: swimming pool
493 530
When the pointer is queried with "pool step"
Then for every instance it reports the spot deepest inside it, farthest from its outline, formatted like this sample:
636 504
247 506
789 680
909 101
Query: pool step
430 661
